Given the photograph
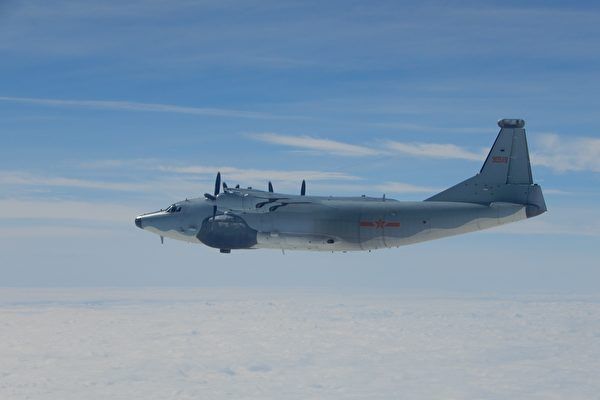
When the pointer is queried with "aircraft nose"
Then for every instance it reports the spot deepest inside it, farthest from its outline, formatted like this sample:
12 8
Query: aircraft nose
138 222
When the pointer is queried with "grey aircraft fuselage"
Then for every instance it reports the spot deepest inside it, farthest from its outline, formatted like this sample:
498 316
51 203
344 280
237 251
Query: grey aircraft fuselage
237 218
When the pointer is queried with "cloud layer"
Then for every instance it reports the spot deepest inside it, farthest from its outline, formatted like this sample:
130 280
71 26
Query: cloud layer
221 344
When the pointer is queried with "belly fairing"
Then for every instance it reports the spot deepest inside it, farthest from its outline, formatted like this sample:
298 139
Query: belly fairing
348 229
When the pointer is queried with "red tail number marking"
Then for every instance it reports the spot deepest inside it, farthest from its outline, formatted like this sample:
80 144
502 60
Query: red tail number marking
500 159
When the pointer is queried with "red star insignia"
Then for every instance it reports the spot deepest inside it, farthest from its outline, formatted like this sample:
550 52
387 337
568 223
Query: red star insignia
379 223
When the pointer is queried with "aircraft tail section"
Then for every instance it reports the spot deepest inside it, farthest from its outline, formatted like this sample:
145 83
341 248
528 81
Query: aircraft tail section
508 160
505 175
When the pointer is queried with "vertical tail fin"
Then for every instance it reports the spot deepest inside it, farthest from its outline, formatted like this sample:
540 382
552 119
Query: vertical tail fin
508 160
505 175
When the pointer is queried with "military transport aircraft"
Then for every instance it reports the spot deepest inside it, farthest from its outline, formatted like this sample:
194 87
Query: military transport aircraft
236 218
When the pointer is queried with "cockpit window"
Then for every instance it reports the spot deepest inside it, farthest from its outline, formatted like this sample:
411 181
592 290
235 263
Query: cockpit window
173 208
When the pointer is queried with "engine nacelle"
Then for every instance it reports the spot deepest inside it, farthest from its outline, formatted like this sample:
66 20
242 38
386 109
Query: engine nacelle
227 232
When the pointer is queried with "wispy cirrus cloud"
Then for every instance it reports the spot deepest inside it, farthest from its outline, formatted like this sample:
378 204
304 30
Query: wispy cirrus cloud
209 171
145 107
323 180
180 181
51 186
435 150
15 208
429 150
306 142
253 175
563 155
23 178
404 188
176 180
553 151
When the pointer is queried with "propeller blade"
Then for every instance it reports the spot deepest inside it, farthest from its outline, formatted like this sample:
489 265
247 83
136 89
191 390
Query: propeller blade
210 196
270 187
217 184
225 187
303 188
212 224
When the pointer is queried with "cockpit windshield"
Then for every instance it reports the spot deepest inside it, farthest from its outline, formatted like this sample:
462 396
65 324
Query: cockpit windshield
173 208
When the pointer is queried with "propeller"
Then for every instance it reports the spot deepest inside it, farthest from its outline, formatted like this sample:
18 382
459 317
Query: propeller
270 187
213 197
303 188
217 184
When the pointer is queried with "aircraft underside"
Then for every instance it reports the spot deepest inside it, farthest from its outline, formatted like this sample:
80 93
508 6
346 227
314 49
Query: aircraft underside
385 227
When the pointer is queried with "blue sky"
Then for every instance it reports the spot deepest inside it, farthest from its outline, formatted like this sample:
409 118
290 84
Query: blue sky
115 108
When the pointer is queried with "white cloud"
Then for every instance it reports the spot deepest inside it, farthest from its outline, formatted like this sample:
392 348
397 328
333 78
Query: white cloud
436 150
317 144
558 192
54 231
565 154
17 183
580 221
323 182
429 150
257 175
176 180
410 127
73 210
147 107
403 188
553 151
262 344
28 179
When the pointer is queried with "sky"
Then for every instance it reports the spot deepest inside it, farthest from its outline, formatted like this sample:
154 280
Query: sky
111 109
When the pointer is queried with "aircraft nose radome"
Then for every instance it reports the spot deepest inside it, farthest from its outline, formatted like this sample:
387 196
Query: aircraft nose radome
138 222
